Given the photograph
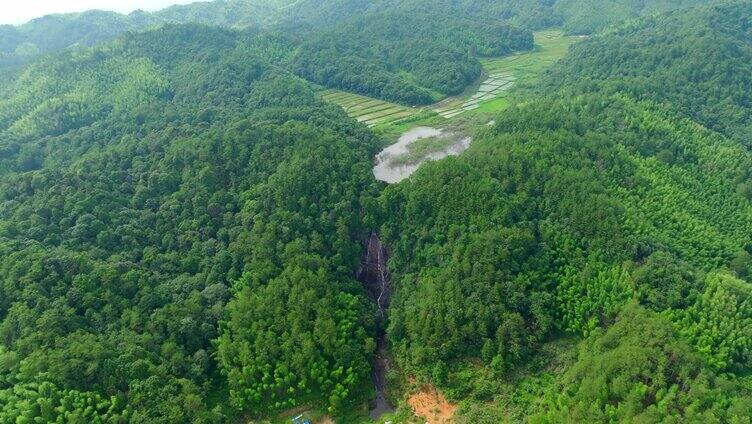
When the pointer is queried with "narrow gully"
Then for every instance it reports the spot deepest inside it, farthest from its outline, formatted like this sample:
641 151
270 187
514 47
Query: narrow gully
375 279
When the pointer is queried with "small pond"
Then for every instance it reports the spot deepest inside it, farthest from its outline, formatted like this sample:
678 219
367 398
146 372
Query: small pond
391 164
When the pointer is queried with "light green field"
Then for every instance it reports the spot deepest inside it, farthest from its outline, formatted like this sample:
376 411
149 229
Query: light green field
521 69
366 109
494 105
550 46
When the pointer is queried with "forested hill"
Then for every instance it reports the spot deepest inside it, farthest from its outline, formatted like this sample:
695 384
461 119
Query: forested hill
151 188
575 16
404 56
182 221
589 16
597 209
20 45
698 62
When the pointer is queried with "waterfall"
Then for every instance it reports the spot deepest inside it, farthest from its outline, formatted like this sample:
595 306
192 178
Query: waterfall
375 278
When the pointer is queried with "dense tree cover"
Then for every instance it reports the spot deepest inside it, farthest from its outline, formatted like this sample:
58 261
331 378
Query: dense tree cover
44 402
404 53
696 62
226 13
553 220
719 323
180 216
405 56
640 370
308 14
20 44
590 16
595 207
408 51
145 185
575 16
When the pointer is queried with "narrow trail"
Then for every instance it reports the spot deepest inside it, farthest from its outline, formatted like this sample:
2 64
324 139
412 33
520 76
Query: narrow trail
375 278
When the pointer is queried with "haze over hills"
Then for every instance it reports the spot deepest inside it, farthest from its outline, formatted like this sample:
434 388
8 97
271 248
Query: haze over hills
19 44
55 32
191 230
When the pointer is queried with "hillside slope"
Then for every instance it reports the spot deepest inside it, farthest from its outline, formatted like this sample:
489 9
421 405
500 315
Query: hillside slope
154 187
596 211
182 221
699 63
406 57
591 16
20 44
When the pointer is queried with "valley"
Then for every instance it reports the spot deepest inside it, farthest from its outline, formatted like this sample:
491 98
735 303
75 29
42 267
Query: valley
418 143
368 110
378 211
490 94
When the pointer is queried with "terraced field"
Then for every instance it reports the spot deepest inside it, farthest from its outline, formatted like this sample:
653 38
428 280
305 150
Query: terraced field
504 72
492 94
493 87
366 109
550 46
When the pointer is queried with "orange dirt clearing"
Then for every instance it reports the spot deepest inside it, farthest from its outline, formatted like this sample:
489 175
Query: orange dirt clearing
432 405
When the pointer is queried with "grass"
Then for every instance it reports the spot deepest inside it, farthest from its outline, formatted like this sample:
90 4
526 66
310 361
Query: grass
494 105
379 112
525 68
391 131
390 119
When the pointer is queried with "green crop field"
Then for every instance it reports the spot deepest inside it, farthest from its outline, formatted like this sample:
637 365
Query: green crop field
366 109
550 46
501 75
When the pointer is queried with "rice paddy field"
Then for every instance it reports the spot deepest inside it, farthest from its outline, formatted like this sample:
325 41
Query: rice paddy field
501 76
504 73
366 109
494 86
550 46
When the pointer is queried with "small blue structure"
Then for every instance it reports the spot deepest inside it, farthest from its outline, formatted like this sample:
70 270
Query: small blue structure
301 419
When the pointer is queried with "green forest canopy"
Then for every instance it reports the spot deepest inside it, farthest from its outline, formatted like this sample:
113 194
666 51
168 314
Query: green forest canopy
181 223
572 206
131 219
21 44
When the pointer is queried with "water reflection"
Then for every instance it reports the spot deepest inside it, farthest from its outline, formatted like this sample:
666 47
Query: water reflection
388 171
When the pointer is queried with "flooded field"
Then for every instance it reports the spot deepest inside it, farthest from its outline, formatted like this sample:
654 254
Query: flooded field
491 88
391 166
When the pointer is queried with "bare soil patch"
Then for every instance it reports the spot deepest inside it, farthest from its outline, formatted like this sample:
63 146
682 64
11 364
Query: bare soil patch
432 406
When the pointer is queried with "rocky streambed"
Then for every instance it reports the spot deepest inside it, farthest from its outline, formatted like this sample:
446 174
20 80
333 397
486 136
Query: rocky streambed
375 279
